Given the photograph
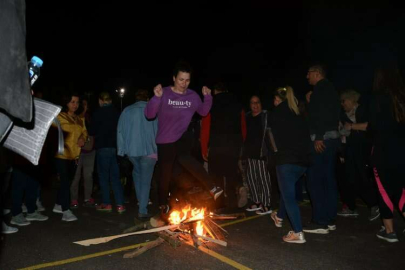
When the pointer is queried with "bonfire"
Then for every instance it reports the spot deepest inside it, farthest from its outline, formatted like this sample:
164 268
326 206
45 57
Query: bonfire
193 226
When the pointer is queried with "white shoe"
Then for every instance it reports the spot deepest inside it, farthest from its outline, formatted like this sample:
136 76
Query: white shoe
293 237
57 209
216 192
40 207
252 209
68 216
8 229
264 212
19 220
277 221
36 216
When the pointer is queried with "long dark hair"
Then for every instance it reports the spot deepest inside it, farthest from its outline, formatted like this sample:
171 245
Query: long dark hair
66 98
388 80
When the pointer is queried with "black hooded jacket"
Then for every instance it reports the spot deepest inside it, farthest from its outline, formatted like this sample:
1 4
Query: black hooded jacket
291 136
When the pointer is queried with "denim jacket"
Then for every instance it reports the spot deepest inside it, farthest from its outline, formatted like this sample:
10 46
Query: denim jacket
136 135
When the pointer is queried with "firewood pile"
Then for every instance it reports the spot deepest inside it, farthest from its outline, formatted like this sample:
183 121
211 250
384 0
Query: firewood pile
187 232
190 226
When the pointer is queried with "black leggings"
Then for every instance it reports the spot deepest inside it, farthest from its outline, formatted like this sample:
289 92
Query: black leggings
180 152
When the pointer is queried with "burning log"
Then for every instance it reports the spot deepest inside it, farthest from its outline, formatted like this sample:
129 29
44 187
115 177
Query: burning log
186 238
196 241
217 230
208 230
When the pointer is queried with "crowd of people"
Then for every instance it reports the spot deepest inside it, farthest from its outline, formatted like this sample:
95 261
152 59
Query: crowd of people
249 154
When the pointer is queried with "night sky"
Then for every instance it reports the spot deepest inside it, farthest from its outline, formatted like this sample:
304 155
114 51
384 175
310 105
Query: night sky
89 46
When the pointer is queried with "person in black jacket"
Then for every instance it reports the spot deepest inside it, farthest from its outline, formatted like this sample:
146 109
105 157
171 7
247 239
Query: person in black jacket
255 155
357 150
104 129
323 114
292 157
222 134
387 125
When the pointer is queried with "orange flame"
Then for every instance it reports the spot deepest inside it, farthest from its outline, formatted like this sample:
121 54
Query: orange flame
176 217
199 228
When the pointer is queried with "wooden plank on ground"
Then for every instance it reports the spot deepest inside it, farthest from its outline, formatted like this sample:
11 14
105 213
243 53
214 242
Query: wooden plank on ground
100 240
143 249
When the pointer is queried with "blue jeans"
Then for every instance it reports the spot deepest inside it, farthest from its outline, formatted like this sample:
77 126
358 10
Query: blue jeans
299 189
142 176
108 170
287 176
322 184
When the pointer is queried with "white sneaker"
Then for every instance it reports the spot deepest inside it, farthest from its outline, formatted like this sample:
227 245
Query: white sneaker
19 220
57 209
8 229
36 216
292 237
68 216
40 207
24 208
216 192
264 211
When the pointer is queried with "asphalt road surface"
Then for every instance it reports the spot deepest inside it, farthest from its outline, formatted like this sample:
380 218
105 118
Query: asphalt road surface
253 243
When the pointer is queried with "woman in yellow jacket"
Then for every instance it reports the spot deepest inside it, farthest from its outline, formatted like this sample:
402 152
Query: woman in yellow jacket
75 135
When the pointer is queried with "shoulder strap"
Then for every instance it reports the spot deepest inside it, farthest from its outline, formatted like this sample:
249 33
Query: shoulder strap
264 131
61 142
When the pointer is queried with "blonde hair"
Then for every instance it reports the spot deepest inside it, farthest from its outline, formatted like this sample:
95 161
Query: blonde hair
105 96
350 94
287 93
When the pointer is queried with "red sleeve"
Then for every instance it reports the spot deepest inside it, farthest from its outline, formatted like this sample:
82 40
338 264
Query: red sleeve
243 124
205 134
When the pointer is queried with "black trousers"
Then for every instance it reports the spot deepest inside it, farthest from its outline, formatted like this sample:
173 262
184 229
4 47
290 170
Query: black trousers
23 181
66 170
223 163
171 155
357 181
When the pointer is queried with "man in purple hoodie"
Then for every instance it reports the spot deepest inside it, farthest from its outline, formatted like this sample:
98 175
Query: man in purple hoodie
175 106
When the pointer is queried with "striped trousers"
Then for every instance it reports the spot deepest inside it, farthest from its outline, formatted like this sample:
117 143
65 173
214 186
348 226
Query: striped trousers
258 181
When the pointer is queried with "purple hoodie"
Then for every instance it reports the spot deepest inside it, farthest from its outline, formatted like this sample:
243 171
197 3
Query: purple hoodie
174 112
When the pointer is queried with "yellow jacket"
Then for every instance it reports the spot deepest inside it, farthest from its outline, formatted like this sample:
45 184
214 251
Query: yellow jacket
73 128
